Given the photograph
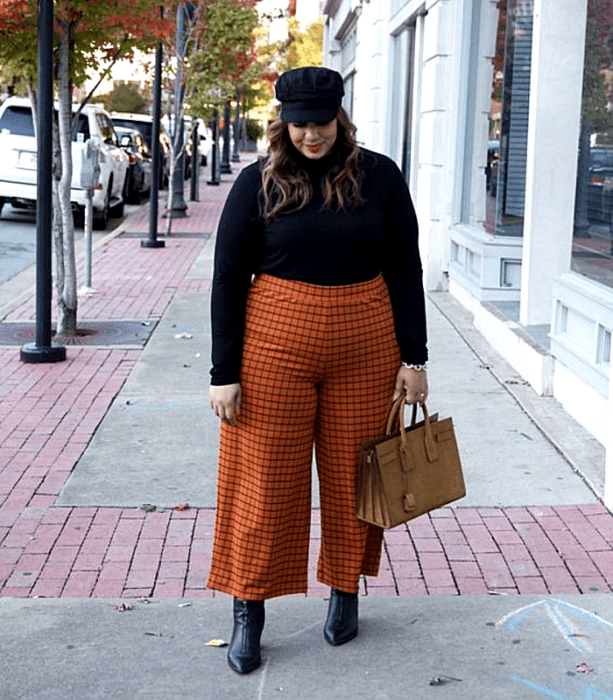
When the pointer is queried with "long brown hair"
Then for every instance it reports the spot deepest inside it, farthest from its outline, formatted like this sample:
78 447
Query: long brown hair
286 186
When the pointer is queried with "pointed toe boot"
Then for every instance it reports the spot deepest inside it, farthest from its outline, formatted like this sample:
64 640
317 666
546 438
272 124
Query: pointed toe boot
342 621
244 651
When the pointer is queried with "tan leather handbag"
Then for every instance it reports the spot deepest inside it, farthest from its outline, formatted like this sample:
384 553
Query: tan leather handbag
408 471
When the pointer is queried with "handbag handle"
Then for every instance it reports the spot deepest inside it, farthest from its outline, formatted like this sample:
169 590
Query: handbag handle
397 412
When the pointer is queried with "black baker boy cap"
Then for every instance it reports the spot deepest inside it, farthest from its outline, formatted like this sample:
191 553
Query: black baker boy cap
310 94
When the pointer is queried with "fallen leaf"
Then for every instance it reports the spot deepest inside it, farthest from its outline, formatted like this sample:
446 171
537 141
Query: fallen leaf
148 507
584 668
216 643
123 607
441 680
182 506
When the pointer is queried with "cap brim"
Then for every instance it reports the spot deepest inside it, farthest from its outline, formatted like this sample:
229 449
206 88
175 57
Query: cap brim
321 115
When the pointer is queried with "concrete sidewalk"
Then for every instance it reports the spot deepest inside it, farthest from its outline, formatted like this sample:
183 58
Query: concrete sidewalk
107 484
447 647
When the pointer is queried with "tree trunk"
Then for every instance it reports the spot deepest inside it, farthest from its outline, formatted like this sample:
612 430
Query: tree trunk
172 165
66 271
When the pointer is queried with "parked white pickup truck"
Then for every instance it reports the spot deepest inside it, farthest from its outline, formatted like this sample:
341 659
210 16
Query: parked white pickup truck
18 172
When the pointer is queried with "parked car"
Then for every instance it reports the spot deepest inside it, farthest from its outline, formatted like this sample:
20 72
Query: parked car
600 186
144 124
205 142
188 149
18 147
139 156
491 169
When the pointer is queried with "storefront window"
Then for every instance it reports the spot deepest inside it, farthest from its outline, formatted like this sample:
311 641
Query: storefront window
505 174
592 253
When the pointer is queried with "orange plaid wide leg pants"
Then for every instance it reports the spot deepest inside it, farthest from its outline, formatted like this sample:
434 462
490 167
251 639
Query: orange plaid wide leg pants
319 368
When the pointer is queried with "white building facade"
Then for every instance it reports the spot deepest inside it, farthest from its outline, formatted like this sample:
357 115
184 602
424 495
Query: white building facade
510 163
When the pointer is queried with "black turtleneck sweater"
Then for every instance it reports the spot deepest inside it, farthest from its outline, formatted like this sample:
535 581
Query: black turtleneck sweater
319 247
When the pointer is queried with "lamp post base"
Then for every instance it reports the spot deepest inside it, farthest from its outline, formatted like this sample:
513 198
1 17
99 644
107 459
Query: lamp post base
34 354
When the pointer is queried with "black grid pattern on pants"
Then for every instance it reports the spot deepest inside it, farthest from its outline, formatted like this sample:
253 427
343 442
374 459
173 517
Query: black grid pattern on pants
319 367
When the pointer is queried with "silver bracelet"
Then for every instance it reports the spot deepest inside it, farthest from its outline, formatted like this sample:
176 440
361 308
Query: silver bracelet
418 368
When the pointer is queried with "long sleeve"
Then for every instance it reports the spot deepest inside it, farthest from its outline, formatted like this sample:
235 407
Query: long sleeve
338 247
239 237
401 267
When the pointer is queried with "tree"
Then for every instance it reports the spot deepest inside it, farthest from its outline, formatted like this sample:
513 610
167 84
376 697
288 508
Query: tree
596 115
304 48
226 56
88 34
125 97
217 50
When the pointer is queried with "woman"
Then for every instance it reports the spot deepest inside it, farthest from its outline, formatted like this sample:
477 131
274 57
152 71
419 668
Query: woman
308 353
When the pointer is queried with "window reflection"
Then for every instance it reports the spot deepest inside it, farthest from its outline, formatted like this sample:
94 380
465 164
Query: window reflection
505 173
592 253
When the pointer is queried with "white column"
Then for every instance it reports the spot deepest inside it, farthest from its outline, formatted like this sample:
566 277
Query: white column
553 137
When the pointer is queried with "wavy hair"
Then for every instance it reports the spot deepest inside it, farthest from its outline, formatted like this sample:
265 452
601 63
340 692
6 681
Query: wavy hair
286 186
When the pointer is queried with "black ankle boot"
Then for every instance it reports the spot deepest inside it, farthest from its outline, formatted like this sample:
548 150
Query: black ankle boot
342 621
244 651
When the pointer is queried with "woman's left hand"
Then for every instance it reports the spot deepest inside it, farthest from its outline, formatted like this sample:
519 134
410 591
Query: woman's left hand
413 383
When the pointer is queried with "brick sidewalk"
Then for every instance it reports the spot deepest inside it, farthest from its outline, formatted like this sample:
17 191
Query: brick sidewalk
48 414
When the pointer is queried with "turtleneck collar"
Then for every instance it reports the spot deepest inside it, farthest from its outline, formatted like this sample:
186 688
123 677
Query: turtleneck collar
314 166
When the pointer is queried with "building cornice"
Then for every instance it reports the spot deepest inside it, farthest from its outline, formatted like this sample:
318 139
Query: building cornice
331 7
348 24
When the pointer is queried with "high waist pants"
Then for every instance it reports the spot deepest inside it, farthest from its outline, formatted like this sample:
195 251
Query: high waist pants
319 368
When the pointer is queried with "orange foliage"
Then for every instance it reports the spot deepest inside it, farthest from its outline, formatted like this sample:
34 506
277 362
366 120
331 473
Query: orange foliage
136 19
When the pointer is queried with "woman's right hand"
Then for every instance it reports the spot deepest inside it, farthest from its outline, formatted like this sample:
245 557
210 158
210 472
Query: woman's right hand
226 401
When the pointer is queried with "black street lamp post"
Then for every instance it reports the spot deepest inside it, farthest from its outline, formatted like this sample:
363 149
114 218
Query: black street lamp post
215 179
195 174
237 129
42 350
225 154
156 159
179 206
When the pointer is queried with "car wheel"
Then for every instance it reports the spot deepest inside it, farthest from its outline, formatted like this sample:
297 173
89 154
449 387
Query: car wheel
133 196
137 191
101 218
118 209
78 217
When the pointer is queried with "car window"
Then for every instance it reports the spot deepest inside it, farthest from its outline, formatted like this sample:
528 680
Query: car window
601 157
106 129
18 120
143 127
144 146
81 129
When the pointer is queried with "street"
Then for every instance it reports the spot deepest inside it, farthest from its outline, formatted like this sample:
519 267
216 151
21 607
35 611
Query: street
18 238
